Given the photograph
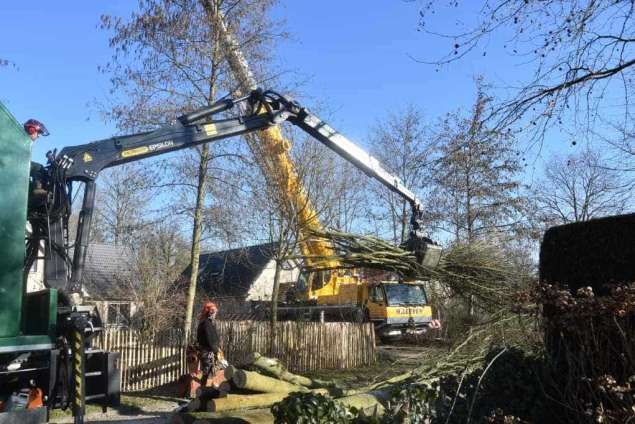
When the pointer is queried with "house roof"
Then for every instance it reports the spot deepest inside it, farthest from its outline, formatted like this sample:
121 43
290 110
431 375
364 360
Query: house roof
232 272
105 268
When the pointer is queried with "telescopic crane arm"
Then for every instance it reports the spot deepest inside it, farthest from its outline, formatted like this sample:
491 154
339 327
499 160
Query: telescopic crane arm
264 109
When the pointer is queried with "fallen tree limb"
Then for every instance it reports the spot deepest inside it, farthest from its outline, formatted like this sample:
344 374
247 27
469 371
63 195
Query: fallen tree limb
478 271
372 402
275 368
464 357
232 402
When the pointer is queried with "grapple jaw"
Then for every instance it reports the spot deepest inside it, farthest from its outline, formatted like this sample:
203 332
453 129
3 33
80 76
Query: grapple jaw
427 252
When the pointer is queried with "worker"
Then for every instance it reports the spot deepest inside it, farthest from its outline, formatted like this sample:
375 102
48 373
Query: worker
208 341
35 129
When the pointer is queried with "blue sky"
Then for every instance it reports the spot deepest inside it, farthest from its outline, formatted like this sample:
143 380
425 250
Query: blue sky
353 56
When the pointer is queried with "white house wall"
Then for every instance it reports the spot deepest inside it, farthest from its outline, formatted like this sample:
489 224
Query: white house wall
263 286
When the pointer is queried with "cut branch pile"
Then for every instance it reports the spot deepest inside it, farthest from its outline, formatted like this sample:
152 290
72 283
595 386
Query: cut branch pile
477 270
246 389
268 382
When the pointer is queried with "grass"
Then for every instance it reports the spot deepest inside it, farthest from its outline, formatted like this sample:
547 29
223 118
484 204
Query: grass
392 360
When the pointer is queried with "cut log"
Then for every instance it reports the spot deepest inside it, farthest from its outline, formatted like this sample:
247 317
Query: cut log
275 368
368 402
231 417
232 402
261 383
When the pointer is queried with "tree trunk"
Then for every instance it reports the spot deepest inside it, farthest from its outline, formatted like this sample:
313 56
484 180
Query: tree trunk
260 383
274 306
368 402
232 402
275 368
196 239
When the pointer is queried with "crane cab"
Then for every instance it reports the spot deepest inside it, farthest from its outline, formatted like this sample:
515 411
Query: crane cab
398 308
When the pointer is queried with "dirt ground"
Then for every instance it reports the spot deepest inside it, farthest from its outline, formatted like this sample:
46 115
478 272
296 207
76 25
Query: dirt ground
147 408
155 407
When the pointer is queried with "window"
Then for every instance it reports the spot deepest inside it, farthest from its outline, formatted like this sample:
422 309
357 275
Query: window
313 280
376 294
320 279
118 314
405 294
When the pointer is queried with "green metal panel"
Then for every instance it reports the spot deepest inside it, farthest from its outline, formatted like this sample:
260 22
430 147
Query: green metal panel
15 158
40 312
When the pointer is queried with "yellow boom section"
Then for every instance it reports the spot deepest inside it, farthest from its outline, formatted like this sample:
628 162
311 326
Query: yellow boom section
272 151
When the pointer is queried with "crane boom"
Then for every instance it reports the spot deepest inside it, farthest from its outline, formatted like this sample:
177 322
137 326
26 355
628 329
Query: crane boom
368 164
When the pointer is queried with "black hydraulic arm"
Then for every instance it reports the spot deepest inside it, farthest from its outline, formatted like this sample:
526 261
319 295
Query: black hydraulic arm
86 161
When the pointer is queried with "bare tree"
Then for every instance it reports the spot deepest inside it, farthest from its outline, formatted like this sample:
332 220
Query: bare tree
121 212
580 54
155 265
476 178
280 210
168 60
579 187
405 144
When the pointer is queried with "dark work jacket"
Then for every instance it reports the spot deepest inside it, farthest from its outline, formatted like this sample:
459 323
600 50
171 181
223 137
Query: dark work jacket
207 335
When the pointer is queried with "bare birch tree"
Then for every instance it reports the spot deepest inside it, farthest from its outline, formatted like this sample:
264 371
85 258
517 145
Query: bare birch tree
120 208
157 263
276 208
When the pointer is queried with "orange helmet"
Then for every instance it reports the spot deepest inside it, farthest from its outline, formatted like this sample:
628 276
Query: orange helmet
33 126
208 309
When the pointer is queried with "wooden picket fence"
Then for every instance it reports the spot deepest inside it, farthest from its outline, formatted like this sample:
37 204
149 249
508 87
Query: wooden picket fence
155 360
146 361
302 346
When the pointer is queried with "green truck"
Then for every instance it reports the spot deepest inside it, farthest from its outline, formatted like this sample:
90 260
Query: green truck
44 342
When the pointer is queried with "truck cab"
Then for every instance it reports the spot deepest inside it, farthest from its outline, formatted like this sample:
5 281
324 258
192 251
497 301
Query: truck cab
398 308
